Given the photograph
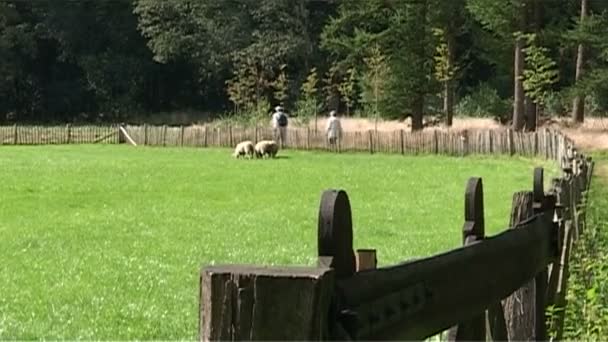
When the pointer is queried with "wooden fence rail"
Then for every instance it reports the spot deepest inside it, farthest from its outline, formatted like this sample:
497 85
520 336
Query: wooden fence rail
503 282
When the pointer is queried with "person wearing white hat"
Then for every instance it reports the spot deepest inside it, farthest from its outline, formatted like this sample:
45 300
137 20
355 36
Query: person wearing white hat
279 125
334 129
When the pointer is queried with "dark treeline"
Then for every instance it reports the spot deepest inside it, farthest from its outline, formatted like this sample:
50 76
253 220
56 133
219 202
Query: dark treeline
95 61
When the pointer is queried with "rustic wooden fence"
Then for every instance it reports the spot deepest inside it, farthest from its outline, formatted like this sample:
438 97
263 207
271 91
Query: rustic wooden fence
498 287
544 143
68 134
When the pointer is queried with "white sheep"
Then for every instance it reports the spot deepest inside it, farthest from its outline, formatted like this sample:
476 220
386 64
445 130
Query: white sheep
244 148
266 148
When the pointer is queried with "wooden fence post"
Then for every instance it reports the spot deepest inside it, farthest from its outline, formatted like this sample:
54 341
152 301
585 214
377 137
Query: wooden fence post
550 141
590 165
435 142
535 144
510 142
472 231
555 145
197 136
181 135
371 142
491 141
581 183
15 135
542 204
145 134
307 137
519 307
335 232
230 135
465 142
241 303
558 283
401 141
164 135
205 137
366 259
557 191
574 195
568 190
68 133
335 246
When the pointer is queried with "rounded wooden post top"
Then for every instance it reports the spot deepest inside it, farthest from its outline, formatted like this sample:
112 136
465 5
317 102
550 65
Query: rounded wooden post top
335 232
473 209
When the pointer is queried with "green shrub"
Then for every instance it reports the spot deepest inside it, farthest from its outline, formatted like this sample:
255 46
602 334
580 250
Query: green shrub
484 101
556 103
306 109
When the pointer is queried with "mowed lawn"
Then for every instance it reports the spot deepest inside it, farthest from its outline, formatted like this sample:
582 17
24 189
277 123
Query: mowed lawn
107 242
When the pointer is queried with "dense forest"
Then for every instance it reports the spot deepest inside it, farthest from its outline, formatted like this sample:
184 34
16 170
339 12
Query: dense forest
88 60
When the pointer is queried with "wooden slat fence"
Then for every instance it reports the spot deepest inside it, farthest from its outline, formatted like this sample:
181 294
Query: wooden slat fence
47 135
544 143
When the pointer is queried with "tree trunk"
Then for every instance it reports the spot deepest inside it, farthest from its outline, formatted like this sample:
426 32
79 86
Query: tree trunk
530 114
417 113
578 106
448 91
418 103
448 102
518 101
519 114
531 106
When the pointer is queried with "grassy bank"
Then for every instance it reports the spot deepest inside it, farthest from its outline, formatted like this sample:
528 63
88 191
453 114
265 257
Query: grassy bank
587 296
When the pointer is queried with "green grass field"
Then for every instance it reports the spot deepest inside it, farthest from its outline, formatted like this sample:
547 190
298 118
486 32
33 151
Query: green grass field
107 242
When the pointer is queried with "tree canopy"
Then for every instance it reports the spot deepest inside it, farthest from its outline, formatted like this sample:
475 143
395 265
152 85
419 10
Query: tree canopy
86 60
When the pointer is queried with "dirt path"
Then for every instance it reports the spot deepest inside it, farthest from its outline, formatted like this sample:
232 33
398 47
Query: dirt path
591 136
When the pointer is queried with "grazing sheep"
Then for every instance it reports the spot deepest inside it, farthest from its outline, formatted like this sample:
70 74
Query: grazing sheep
244 148
266 148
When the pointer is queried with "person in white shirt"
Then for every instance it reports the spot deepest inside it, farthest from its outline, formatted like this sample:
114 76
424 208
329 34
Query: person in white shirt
334 129
279 125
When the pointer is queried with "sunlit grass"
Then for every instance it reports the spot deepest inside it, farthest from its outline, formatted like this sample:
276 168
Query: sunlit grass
107 242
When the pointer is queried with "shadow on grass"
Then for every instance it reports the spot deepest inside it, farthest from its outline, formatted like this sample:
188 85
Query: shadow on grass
267 158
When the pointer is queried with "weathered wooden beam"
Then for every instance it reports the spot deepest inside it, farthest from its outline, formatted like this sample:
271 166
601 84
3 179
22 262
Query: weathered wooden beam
258 303
123 132
423 297
102 138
